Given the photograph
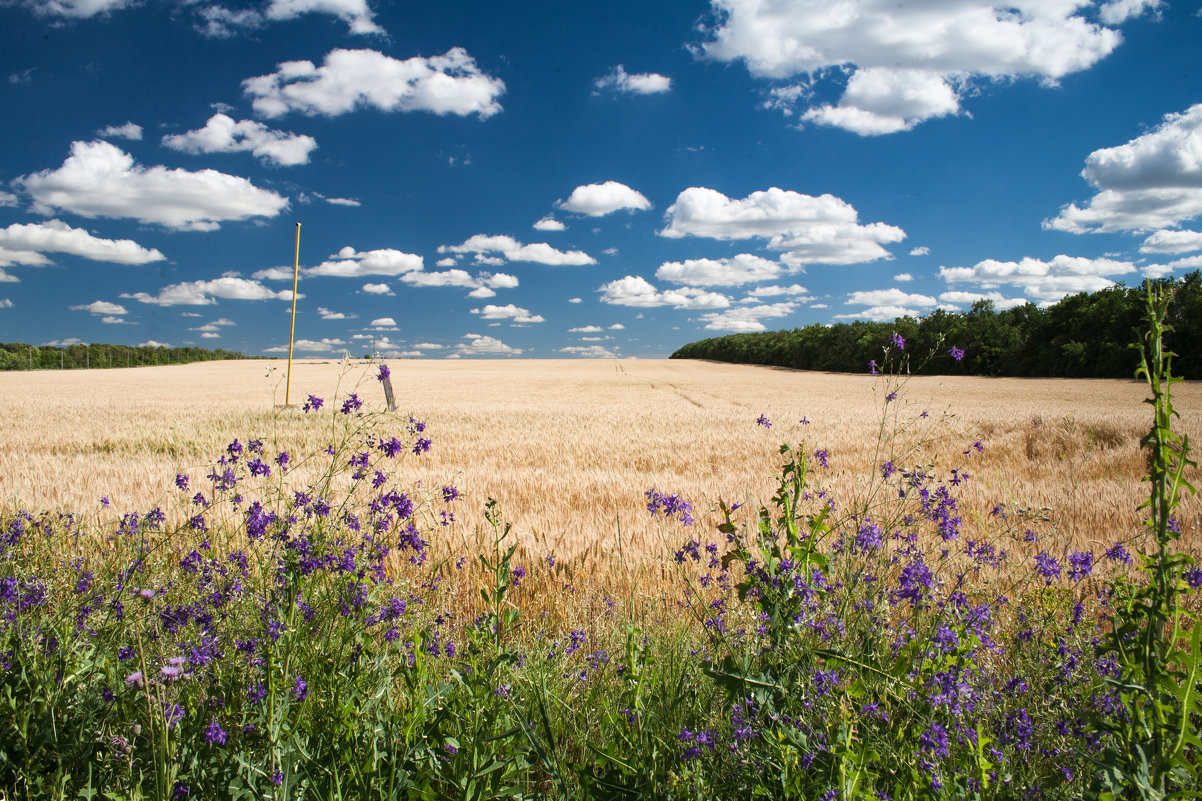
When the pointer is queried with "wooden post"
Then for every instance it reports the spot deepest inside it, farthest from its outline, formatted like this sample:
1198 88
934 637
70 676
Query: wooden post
388 397
292 331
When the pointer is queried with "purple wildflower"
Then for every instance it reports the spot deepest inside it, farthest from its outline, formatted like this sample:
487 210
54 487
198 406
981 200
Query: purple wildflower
1047 566
872 368
820 456
956 353
762 420
300 689
215 735
897 341
384 373
1080 564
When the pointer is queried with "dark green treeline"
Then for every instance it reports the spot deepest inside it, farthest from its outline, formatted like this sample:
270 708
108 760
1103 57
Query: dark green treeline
1082 336
20 356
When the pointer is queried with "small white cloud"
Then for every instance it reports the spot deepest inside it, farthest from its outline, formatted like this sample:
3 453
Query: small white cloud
383 322
597 200
1000 302
575 300
888 297
355 13
639 83
427 346
309 346
746 318
343 201
478 345
219 22
377 289
350 79
349 263
150 343
549 223
81 9
634 290
773 290
326 314
1168 241
617 327
222 134
736 271
449 261
1117 12
101 307
114 320
511 250
204 293
98 179
585 329
508 312
902 278
922 250
879 314
5 303
590 351
127 131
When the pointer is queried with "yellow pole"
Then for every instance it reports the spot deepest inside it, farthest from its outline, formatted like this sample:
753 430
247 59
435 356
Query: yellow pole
292 331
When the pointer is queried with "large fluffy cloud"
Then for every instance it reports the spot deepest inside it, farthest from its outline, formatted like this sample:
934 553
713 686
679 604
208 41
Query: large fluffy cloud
98 179
597 200
811 230
56 236
1152 182
634 290
222 134
509 249
1043 280
924 52
350 79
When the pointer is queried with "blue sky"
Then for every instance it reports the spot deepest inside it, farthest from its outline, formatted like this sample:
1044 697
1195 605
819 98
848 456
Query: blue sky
558 180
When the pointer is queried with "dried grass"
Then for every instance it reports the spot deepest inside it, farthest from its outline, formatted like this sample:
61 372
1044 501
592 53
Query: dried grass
569 447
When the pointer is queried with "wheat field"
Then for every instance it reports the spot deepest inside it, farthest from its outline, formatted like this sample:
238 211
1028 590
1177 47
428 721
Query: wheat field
569 447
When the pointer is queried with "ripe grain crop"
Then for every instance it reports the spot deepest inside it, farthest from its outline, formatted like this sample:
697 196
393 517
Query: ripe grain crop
569 447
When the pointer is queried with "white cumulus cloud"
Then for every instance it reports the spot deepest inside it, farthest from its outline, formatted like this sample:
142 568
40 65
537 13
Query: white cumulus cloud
127 131
222 134
741 269
355 13
101 307
478 345
509 249
549 223
508 312
1168 241
377 289
589 351
639 83
77 8
636 291
908 62
98 179
597 200
350 263
746 318
203 293
888 297
1152 182
56 236
810 230
351 79
1042 280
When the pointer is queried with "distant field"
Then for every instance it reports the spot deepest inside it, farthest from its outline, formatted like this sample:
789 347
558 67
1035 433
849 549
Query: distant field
569 447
